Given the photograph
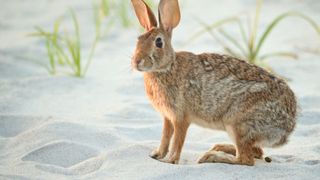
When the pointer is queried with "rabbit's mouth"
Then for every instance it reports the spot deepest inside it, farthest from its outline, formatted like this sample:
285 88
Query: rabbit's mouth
151 63
143 65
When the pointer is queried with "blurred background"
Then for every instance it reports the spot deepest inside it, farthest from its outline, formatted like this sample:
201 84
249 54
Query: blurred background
234 27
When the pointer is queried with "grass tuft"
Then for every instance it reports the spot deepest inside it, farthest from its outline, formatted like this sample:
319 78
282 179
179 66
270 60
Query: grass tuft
249 45
64 48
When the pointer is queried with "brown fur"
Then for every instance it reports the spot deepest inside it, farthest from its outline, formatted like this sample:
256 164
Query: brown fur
215 91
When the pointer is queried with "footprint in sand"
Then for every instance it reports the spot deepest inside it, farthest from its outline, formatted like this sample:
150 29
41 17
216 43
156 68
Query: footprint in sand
290 158
312 162
63 154
11 126
282 158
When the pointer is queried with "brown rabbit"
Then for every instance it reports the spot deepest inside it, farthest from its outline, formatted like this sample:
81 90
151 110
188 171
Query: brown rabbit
215 91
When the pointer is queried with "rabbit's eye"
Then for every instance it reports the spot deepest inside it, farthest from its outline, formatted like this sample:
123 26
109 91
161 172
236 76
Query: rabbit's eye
159 42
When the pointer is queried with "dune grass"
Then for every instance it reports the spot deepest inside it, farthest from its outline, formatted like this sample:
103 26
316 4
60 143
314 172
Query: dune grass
249 44
64 48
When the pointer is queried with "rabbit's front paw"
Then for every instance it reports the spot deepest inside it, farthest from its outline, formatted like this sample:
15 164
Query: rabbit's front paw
216 157
170 161
156 154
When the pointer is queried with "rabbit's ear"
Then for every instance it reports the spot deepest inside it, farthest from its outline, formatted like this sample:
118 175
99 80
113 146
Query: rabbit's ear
169 14
144 14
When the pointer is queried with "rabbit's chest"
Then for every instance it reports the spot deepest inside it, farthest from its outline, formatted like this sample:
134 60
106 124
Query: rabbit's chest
163 98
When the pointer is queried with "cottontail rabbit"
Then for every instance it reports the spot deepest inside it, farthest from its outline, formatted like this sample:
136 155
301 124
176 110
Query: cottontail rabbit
215 91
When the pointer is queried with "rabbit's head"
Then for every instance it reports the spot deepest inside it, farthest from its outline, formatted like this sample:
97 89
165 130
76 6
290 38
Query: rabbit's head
154 52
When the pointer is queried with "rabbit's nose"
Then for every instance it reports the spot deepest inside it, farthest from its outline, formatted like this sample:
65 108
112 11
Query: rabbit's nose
138 64
138 61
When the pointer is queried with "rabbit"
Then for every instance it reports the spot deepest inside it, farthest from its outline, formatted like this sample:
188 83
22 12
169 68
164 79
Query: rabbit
254 107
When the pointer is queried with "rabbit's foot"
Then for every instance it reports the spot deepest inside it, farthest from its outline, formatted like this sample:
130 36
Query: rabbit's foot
157 154
230 149
227 148
222 157
257 152
170 160
217 157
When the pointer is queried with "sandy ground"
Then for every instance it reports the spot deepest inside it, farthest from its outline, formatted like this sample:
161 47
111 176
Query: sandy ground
103 127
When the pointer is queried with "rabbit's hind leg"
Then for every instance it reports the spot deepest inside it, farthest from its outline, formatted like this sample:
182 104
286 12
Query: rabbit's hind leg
227 148
230 149
245 156
217 157
258 152
245 151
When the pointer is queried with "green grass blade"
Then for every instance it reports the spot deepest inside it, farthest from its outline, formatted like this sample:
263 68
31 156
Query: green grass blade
71 47
55 42
212 33
208 28
105 6
123 13
61 52
93 47
56 26
278 19
279 54
243 32
40 33
49 46
75 46
233 41
231 52
51 56
52 37
97 18
253 33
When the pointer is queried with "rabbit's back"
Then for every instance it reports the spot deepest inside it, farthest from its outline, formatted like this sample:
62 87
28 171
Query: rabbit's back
217 83
223 90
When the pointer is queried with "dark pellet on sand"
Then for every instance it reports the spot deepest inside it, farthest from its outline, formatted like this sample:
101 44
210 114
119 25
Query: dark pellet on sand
268 159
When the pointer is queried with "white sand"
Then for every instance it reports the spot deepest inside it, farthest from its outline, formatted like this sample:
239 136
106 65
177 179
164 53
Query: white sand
103 127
